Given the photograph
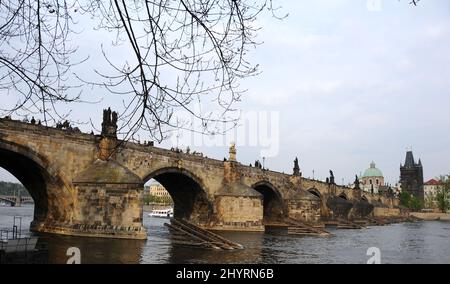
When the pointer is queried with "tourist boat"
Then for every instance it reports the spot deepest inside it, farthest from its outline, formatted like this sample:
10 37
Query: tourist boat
167 213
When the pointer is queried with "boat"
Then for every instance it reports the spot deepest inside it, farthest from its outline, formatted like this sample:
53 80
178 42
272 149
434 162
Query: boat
166 213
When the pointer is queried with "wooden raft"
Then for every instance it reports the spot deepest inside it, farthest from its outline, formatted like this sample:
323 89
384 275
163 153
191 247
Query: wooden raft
188 234
343 224
377 221
300 228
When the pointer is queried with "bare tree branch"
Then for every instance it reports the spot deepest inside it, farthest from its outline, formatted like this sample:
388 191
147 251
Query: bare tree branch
187 55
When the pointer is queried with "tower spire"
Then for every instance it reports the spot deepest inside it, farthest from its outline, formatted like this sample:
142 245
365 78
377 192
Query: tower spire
409 160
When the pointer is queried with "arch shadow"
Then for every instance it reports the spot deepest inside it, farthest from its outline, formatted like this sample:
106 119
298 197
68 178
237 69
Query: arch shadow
315 192
188 193
53 202
273 208
343 196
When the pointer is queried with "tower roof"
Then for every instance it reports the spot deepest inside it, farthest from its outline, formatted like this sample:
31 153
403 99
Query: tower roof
433 182
409 160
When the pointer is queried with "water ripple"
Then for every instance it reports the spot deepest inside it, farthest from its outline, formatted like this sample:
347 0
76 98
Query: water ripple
423 242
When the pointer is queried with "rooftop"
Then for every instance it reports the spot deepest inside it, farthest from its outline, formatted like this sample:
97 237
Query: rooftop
372 171
433 182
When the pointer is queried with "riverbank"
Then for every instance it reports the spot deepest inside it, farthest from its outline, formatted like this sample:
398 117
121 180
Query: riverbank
431 216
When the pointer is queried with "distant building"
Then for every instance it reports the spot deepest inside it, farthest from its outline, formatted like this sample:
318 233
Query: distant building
156 193
158 190
430 189
372 179
397 189
411 177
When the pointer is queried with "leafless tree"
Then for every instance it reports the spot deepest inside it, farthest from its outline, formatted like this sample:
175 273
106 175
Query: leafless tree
184 52
34 56
201 43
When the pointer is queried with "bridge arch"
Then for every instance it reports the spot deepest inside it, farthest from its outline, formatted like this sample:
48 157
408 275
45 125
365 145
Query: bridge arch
315 192
52 197
8 200
188 193
343 196
13 200
323 207
272 201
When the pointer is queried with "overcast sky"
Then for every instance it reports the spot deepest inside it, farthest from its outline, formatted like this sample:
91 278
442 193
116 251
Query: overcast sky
352 81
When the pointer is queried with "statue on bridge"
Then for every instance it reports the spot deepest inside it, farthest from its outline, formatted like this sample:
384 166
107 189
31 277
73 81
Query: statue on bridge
357 183
108 142
390 192
232 153
114 118
109 124
331 177
296 168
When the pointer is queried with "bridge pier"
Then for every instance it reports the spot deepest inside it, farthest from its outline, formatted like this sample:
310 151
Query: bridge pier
238 208
18 202
109 202
304 206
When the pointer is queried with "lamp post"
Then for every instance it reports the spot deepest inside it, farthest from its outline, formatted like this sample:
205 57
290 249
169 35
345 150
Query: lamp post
264 163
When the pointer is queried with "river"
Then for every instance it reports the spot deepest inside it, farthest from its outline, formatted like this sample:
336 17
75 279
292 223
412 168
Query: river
421 242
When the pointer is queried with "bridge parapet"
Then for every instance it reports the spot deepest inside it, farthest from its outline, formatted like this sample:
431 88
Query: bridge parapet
28 129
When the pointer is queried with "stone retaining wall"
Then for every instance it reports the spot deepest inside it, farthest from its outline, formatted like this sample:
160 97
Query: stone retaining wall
432 216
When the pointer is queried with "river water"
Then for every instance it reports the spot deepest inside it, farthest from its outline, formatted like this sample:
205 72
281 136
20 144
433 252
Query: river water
421 242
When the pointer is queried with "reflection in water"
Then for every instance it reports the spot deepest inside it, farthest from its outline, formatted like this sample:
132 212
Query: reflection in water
423 242
94 250
253 243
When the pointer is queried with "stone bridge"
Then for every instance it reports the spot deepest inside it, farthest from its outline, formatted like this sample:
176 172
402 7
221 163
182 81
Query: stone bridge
91 185
16 200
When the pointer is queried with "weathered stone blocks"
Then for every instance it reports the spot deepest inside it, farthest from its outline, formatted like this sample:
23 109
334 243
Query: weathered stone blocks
109 201
77 195
238 208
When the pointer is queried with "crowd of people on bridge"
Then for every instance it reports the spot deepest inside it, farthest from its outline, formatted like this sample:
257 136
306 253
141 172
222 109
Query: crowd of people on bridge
187 151
60 125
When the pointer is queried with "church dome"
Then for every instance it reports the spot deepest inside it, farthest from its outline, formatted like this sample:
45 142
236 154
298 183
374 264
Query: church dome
372 171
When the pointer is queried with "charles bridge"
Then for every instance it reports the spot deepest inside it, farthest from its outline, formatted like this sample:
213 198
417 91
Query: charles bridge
92 185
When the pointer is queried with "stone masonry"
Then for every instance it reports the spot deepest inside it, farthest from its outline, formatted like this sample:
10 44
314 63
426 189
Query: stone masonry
91 185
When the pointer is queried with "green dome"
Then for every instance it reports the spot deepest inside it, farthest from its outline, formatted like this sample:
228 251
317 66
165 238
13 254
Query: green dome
372 171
